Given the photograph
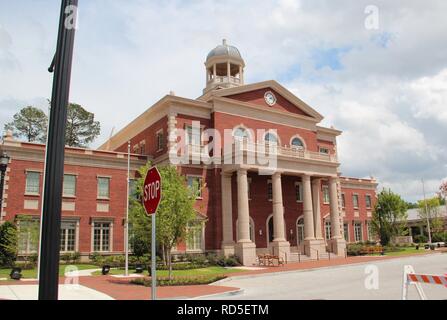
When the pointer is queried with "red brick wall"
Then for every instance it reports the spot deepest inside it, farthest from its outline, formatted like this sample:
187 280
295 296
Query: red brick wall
150 135
362 210
85 201
257 97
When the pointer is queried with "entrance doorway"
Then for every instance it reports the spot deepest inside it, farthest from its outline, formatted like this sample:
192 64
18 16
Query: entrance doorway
300 235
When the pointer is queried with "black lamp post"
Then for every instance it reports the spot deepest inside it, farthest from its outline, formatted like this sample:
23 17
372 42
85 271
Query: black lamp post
4 161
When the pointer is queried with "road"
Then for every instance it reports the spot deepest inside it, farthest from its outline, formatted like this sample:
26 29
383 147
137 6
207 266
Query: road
343 282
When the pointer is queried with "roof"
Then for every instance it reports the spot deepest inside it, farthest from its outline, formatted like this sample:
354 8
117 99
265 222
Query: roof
413 214
224 50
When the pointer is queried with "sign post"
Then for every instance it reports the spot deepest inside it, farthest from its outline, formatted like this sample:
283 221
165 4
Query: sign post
151 200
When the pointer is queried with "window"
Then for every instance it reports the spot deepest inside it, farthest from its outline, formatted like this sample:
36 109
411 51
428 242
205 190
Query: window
194 135
69 185
355 200
160 140
343 203
143 147
195 183
32 182
241 133
327 227
326 194
299 191
358 231
297 143
300 231
28 235
101 236
370 231
195 238
269 190
103 187
346 231
368 201
324 150
271 138
68 237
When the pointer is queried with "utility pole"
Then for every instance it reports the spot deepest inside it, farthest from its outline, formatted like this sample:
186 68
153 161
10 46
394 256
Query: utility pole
55 153
426 212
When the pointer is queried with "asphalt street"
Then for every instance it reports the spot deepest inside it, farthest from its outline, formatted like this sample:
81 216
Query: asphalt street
371 281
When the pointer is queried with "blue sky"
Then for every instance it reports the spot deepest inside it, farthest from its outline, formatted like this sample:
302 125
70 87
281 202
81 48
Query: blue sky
385 88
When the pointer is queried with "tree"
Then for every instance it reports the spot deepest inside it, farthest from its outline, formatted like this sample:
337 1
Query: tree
389 216
429 210
31 123
82 128
8 244
175 213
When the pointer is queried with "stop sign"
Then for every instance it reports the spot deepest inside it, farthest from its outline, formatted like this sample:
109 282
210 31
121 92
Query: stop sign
152 191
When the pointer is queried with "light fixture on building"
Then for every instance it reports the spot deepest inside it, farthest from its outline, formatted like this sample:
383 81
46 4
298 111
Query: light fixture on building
260 232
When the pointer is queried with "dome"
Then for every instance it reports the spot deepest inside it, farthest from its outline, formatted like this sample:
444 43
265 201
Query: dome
224 50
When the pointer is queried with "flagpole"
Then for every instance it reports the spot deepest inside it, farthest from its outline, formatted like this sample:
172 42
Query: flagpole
126 231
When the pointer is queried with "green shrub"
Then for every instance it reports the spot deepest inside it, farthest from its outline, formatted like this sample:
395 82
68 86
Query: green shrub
179 281
66 258
75 257
354 249
420 238
8 244
439 237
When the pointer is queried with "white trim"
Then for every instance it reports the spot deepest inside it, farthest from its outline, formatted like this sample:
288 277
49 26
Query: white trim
247 129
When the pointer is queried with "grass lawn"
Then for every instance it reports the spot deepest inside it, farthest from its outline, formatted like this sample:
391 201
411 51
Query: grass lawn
407 250
209 271
32 273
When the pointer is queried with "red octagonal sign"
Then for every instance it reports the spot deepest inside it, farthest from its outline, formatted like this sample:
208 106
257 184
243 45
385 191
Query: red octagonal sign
152 191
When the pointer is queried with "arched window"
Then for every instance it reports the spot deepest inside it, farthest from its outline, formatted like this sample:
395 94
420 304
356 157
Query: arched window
241 133
297 143
271 138
300 231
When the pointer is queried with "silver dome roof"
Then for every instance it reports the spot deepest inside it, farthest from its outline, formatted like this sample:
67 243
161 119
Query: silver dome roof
224 50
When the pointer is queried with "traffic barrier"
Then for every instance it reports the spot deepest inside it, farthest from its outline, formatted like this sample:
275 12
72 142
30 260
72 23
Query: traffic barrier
412 278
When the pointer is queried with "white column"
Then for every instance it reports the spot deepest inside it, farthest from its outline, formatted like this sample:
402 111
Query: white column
307 208
278 208
227 215
242 206
229 71
214 72
335 214
240 75
316 185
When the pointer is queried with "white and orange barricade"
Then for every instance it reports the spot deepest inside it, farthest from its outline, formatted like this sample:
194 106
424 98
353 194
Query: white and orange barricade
413 278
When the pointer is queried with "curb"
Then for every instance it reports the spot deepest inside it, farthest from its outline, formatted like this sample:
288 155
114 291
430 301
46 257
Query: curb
222 294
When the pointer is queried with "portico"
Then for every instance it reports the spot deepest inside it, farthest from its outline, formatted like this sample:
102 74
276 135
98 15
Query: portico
245 247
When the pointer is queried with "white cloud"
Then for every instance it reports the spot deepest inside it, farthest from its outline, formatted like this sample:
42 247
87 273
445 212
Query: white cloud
389 97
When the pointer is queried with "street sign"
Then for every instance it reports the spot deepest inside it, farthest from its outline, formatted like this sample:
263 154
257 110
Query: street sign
151 200
152 191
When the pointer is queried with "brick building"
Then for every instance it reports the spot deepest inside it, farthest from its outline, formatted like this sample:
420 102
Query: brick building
269 172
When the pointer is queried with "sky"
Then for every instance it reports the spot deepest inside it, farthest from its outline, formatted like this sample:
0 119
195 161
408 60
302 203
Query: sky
377 70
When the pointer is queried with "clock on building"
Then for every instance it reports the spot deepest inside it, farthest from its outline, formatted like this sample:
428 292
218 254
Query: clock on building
270 98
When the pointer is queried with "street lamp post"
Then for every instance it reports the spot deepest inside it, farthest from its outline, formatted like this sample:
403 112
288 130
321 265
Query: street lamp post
4 161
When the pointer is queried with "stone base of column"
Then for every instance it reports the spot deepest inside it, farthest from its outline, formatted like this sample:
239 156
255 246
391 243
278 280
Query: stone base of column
246 252
281 249
337 246
313 248
228 249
